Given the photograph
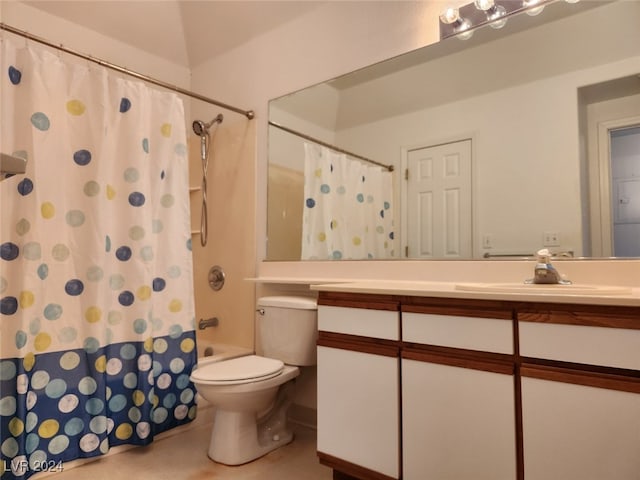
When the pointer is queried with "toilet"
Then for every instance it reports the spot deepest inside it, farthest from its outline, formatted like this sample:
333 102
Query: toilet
251 394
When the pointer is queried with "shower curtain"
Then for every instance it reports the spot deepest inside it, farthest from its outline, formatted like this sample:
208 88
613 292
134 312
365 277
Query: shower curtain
97 336
347 213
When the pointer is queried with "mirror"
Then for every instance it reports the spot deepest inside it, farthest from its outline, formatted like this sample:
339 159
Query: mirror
522 117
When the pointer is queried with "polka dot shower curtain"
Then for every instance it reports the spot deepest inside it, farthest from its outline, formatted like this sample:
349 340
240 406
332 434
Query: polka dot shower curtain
97 337
347 212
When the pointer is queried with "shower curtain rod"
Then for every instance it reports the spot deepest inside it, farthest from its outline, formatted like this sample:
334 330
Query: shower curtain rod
328 145
247 113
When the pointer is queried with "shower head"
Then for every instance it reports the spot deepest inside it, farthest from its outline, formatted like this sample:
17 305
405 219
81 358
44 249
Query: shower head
200 128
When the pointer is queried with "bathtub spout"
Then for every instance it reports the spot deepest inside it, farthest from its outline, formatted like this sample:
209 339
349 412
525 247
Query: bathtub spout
209 322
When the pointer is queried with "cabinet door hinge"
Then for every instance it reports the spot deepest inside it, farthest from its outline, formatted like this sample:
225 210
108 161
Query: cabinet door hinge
406 174
406 251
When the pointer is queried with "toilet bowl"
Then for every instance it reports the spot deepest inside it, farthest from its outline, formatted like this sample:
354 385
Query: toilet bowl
251 394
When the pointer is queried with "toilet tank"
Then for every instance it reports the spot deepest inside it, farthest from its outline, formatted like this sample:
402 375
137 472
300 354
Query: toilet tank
287 328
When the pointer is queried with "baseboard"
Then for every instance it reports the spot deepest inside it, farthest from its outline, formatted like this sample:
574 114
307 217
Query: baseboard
305 416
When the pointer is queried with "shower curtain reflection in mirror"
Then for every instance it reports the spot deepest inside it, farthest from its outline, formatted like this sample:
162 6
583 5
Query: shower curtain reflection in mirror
347 213
97 318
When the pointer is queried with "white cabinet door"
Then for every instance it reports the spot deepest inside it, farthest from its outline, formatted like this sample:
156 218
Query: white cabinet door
358 409
458 423
579 432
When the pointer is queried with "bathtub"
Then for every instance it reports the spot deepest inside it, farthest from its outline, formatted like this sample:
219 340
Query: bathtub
215 352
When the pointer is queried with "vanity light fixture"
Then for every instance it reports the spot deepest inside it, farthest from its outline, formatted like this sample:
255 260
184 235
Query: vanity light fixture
462 21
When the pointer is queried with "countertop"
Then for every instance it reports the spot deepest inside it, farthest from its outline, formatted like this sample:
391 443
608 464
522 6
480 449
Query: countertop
577 294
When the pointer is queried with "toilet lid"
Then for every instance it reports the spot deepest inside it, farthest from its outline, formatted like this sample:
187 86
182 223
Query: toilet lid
239 370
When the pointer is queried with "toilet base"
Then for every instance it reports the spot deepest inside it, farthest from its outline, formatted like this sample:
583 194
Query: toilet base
237 437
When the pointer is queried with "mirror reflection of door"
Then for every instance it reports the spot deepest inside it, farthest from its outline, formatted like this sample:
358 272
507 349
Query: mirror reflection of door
625 190
438 206
606 107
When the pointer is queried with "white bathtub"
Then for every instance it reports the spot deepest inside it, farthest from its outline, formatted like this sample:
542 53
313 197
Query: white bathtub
215 352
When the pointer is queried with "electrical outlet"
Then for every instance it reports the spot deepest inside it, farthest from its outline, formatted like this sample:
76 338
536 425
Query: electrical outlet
486 241
551 239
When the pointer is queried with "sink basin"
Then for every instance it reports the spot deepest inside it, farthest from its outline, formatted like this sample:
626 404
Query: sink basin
543 289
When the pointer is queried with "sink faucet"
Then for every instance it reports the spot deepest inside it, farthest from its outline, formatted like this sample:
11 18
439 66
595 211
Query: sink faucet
545 272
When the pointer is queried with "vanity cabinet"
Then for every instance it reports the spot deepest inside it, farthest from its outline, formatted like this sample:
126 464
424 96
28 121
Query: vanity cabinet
425 388
580 393
458 400
358 387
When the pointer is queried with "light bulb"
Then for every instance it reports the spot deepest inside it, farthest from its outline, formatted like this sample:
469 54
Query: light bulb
464 30
497 16
533 10
450 15
484 5
572 1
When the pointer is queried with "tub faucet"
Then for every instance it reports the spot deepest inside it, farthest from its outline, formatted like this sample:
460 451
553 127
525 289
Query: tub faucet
209 322
545 272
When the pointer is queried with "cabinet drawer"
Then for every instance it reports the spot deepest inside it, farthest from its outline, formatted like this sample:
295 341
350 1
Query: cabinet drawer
552 337
472 333
359 321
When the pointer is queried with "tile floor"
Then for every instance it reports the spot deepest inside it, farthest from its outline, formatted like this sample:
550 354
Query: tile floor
184 457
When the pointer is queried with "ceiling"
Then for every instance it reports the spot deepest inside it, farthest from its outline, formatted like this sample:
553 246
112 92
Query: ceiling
185 32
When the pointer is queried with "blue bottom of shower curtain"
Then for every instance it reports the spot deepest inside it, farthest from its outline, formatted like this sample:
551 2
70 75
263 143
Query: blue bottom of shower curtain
57 407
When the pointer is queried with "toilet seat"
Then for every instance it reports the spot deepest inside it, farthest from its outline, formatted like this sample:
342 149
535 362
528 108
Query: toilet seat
250 368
